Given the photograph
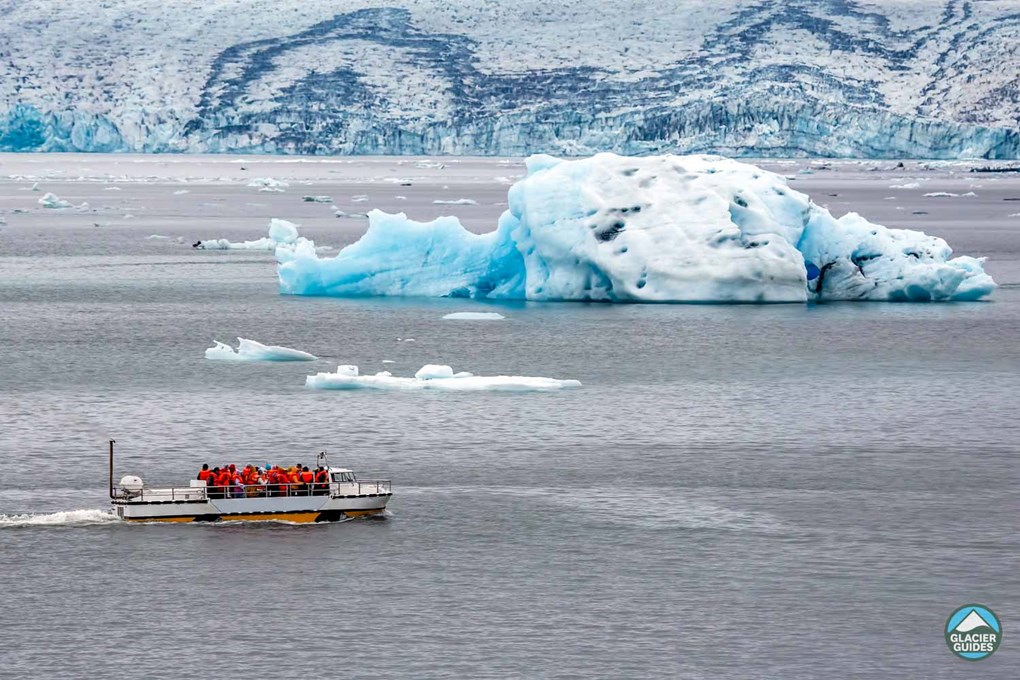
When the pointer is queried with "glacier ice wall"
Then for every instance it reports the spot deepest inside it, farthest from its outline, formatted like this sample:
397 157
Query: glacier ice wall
643 229
846 78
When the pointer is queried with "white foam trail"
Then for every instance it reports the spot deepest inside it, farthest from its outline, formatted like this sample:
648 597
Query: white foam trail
68 518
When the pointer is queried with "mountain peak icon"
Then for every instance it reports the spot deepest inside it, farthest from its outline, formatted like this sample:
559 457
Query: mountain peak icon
970 622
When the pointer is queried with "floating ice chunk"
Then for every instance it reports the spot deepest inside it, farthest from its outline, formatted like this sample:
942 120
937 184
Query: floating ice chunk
433 377
283 231
266 244
459 201
359 199
474 316
429 371
388 361
157 237
268 184
941 194
249 350
908 185
653 229
282 234
111 189
50 200
316 199
35 186
181 192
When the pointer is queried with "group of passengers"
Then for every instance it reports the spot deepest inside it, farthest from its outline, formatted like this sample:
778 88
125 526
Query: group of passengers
271 480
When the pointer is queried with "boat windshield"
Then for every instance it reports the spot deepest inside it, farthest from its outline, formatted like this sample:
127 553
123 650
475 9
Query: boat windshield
343 476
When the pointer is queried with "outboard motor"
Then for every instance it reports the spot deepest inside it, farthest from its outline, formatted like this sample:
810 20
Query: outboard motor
131 485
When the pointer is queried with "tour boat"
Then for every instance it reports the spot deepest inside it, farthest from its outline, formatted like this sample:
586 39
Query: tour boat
343 496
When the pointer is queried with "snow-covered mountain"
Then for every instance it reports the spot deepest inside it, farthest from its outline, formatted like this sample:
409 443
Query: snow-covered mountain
869 78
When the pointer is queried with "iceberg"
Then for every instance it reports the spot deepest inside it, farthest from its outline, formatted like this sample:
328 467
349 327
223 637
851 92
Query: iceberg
434 377
268 184
50 200
282 234
249 350
475 316
695 228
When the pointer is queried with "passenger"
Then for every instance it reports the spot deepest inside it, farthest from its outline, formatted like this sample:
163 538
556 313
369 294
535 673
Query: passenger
306 481
279 481
321 481
213 483
203 474
223 480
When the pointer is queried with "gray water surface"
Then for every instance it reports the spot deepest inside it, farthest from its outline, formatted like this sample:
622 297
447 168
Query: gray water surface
736 492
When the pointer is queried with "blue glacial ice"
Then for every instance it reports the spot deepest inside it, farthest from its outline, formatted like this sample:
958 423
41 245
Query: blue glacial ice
249 350
434 377
654 229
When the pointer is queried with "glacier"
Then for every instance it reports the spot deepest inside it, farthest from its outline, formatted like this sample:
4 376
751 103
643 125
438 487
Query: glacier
843 78
250 350
434 377
694 228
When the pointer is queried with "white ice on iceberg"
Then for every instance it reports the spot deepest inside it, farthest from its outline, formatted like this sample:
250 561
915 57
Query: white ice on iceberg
282 234
268 184
50 200
249 350
434 377
459 201
474 316
653 229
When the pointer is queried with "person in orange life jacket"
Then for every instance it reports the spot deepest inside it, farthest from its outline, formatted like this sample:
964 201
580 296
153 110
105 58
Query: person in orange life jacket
306 478
321 480
204 473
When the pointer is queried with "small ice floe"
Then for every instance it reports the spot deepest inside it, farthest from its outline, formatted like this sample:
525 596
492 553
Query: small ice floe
359 199
111 189
434 377
268 184
459 201
474 316
157 237
400 198
316 199
353 216
249 350
1014 215
35 186
180 192
943 194
435 165
53 201
908 185
281 234
388 361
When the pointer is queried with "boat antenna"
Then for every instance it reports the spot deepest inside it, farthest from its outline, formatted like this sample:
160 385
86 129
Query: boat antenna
112 442
323 461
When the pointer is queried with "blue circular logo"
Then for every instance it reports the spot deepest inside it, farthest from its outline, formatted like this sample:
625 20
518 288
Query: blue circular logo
973 632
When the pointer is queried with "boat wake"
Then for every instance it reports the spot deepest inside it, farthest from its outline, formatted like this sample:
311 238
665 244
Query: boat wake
70 518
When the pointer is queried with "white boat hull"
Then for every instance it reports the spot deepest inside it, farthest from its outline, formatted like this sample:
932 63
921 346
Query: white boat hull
290 509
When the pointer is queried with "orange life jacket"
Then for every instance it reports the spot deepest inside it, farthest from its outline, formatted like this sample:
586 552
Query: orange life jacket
223 479
306 476
321 477
204 474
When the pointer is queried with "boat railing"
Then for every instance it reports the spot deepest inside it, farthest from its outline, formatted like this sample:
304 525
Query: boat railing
268 490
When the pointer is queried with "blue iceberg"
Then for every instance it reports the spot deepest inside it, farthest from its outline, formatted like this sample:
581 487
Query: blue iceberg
668 228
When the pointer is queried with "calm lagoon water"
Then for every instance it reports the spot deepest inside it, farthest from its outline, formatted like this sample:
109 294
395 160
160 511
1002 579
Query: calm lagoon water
735 492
